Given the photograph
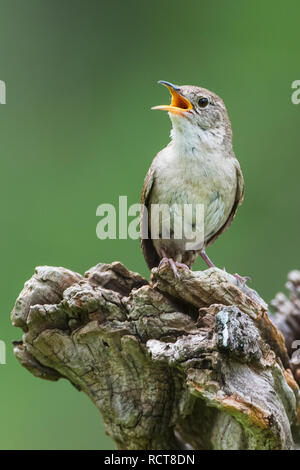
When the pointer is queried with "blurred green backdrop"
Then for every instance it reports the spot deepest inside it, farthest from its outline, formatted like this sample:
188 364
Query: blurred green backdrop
77 131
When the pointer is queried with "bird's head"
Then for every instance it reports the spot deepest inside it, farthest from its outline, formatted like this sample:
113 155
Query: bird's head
196 109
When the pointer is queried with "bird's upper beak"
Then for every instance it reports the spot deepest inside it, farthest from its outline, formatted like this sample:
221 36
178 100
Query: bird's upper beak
179 104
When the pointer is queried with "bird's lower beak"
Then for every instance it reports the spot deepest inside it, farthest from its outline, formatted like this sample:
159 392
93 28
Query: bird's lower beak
179 104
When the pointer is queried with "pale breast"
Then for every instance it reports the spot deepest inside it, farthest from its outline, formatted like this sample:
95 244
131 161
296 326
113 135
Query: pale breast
209 180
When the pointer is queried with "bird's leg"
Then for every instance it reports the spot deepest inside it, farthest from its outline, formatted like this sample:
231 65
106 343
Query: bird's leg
241 279
204 256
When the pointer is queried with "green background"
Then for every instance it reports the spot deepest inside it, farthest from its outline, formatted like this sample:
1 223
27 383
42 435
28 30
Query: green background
77 131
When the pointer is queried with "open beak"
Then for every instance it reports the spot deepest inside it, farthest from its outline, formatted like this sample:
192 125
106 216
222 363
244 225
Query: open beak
179 104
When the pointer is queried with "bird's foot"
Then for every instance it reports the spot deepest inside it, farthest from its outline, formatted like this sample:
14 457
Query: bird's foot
242 279
182 265
173 265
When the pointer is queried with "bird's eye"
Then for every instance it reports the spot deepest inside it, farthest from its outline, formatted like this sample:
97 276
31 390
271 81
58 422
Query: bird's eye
203 102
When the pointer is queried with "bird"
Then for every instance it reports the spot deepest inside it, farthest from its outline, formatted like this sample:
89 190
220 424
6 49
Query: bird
197 167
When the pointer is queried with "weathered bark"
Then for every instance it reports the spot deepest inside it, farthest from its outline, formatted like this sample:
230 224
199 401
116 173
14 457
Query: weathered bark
287 319
190 363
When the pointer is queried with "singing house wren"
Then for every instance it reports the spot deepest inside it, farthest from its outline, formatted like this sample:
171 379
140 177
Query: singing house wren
198 166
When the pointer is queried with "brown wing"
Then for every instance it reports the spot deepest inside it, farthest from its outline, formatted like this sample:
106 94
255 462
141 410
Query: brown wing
240 190
149 252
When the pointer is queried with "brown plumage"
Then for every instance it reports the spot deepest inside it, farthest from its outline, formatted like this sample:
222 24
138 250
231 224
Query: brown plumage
197 167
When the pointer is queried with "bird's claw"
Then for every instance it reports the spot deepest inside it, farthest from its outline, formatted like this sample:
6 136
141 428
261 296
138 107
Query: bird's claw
182 265
163 261
174 265
242 279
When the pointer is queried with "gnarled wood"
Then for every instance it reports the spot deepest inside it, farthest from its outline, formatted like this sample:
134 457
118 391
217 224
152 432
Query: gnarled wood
193 362
287 319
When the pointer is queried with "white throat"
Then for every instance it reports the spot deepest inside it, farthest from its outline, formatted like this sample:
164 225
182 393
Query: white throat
191 140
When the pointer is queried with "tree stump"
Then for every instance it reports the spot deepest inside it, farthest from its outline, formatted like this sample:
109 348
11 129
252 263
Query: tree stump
188 363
